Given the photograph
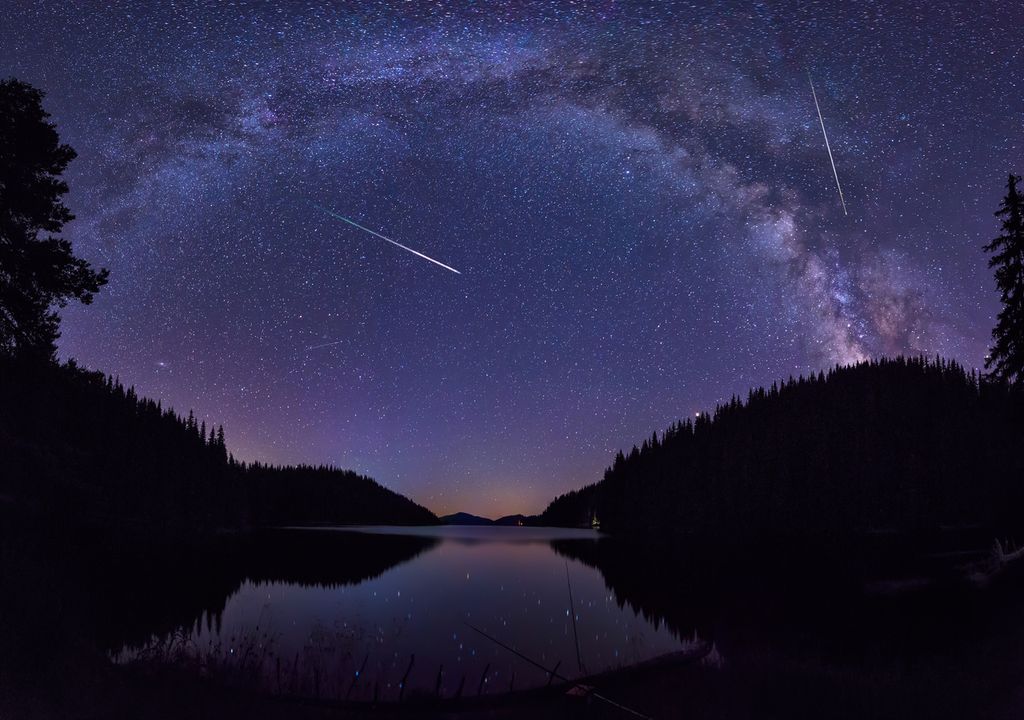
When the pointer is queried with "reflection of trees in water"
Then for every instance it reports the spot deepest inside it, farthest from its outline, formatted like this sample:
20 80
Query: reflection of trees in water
799 632
637 577
95 594
812 604
326 664
314 558
301 557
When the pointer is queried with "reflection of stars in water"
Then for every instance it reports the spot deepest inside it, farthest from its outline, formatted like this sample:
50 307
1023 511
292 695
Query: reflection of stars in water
377 618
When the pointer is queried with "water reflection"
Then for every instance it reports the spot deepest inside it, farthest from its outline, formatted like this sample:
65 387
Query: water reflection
868 629
350 614
193 590
310 628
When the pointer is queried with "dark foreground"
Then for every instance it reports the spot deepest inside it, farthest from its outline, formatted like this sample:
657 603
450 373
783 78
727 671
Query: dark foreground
879 628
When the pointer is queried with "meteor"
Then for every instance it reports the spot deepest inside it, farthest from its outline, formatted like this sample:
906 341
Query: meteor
353 223
827 146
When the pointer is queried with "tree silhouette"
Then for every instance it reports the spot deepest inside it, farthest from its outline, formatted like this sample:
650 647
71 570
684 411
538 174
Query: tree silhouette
909 445
38 271
79 448
1006 357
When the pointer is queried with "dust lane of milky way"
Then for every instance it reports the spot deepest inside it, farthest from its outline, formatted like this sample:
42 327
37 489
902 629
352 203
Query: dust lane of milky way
634 194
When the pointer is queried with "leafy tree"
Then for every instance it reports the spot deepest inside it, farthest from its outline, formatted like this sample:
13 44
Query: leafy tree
1006 357
38 271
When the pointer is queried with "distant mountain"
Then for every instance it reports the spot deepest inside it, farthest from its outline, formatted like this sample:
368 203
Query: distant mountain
903 444
461 518
518 520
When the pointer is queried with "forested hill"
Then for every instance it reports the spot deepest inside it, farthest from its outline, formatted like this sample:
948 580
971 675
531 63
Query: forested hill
77 446
306 495
887 445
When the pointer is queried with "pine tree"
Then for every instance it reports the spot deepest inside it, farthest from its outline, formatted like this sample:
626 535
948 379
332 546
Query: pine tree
217 443
38 270
1006 356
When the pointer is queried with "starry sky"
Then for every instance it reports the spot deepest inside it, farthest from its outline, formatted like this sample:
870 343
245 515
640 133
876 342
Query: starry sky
638 199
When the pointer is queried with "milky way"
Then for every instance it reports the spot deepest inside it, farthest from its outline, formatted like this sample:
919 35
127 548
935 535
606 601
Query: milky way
636 197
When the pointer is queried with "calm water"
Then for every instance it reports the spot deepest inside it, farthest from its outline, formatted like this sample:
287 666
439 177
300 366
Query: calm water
799 630
508 581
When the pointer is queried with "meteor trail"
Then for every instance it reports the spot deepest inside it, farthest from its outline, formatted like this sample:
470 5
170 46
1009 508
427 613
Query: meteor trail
323 345
377 234
827 146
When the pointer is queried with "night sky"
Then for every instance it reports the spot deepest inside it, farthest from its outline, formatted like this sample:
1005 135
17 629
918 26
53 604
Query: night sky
639 201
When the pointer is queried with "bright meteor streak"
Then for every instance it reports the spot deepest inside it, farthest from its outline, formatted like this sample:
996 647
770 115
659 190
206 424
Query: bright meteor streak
377 234
827 146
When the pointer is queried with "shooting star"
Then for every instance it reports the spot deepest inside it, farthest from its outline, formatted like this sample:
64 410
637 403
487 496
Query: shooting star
323 345
827 146
353 223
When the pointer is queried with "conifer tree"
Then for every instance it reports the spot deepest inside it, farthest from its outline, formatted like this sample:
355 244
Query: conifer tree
38 270
1006 356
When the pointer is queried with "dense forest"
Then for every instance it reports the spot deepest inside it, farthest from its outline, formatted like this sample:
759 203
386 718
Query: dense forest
305 495
82 447
888 445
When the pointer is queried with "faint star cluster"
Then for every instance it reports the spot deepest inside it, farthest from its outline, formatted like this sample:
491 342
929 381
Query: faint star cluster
637 196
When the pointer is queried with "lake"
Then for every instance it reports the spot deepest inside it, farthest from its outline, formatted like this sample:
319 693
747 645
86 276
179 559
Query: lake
351 612
872 628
